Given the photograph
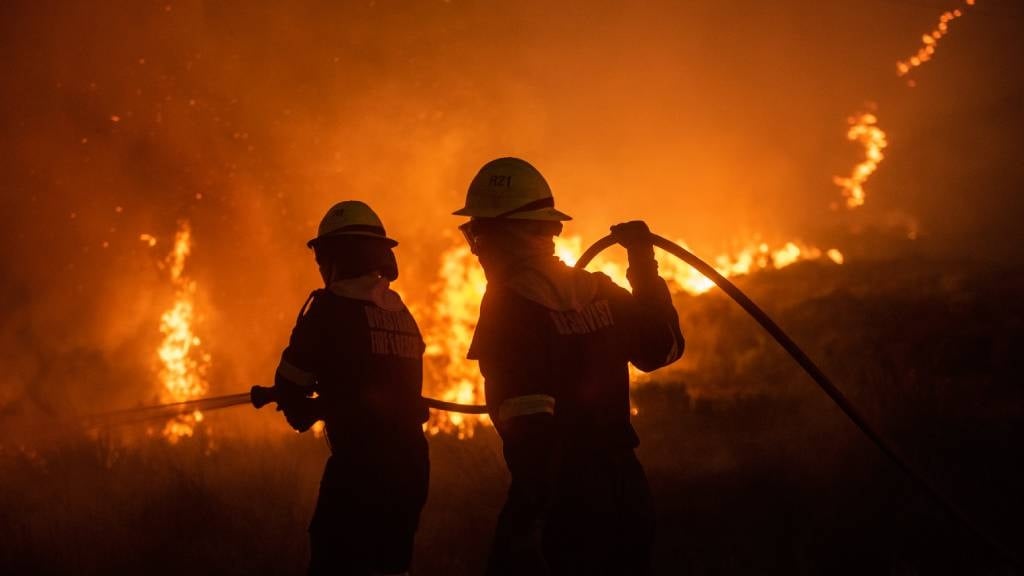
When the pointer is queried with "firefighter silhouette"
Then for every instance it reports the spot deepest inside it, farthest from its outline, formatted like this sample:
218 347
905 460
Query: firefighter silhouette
554 344
355 361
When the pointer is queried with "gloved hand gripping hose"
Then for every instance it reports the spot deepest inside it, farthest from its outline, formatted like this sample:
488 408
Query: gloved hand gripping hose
814 372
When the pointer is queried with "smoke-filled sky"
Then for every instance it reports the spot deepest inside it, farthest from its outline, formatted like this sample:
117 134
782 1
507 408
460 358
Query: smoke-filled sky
714 121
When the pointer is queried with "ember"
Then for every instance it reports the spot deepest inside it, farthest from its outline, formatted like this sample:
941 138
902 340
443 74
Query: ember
930 40
863 130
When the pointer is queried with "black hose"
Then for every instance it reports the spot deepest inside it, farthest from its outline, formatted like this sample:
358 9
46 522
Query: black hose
455 406
163 411
814 372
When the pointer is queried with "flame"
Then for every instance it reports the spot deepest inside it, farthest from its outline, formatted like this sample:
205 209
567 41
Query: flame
751 258
930 41
865 131
448 324
183 363
448 332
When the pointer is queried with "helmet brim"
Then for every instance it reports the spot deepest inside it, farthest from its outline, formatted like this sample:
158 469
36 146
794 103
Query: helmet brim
542 214
390 242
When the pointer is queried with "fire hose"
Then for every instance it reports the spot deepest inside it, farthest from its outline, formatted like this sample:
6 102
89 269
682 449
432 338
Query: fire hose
260 396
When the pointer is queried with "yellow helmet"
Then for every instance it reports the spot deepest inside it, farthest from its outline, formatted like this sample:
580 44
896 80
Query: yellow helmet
510 188
351 218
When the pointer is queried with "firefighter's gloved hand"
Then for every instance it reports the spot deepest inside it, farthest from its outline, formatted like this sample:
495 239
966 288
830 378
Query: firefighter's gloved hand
632 235
301 413
636 238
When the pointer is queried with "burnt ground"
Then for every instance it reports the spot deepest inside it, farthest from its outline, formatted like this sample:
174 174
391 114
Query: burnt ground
754 470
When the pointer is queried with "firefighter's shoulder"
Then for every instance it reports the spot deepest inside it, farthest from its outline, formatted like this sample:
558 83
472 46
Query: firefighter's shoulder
606 286
489 322
313 304
507 322
495 302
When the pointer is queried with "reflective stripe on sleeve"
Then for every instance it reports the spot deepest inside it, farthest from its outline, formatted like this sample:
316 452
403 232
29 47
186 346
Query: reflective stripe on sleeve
294 374
526 405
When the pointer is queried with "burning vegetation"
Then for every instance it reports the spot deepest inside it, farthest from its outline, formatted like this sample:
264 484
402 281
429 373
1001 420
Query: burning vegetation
183 362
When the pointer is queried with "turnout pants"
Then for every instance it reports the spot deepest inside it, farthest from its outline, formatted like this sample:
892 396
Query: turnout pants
600 521
365 524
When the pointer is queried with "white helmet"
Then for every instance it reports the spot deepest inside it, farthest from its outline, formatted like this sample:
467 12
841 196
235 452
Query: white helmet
351 218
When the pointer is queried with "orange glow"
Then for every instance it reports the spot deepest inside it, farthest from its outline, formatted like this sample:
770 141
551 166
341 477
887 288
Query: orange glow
448 329
183 363
865 131
449 323
930 40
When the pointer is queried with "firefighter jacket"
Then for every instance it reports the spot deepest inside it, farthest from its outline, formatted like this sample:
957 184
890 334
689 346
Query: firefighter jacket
359 350
558 341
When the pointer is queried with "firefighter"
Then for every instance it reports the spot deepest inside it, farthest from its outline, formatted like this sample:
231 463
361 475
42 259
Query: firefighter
553 344
355 361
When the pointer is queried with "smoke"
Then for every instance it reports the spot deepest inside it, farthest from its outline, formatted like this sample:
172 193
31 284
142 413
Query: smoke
713 121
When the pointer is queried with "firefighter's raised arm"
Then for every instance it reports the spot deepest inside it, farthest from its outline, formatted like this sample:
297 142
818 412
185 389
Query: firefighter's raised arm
656 339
